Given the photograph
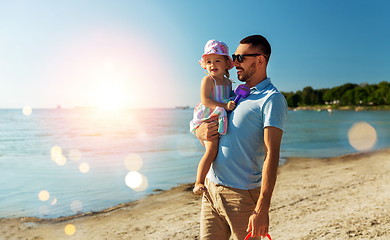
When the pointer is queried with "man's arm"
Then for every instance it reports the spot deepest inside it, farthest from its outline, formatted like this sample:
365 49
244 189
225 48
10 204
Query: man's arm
259 220
208 130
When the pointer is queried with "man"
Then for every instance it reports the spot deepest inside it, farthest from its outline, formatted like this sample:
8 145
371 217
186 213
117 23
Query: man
241 179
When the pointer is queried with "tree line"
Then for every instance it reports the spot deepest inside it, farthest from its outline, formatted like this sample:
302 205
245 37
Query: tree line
348 94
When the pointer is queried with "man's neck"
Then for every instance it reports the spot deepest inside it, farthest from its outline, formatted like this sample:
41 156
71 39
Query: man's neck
256 80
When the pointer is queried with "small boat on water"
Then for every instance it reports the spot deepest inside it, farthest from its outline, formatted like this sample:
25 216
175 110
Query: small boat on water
183 107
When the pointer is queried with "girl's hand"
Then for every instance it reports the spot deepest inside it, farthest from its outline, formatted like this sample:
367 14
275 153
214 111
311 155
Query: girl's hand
230 106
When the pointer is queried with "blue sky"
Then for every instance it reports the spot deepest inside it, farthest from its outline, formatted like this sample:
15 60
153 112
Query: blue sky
144 54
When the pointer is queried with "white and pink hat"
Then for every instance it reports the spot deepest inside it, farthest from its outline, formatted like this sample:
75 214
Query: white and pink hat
216 47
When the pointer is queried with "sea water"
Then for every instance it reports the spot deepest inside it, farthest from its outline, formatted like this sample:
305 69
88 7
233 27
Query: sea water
34 183
323 134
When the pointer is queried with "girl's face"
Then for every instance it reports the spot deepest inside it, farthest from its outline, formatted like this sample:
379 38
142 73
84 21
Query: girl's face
216 65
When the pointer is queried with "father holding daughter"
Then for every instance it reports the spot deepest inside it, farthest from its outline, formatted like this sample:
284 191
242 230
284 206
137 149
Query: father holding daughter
241 179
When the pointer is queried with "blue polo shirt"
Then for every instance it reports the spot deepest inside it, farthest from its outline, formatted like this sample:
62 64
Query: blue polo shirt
240 156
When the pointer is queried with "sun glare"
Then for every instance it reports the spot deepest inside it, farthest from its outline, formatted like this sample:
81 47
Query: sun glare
109 97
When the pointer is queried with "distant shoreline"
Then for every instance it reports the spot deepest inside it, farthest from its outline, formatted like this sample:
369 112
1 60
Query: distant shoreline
342 108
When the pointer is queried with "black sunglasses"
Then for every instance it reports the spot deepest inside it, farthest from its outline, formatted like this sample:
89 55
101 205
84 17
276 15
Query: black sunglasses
240 57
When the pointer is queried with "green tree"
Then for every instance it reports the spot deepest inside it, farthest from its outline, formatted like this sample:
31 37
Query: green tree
293 100
344 88
348 94
387 98
371 89
349 97
287 94
307 96
319 96
360 96
381 93
384 85
331 95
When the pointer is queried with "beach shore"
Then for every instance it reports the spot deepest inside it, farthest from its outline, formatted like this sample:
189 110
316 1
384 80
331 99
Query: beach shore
346 197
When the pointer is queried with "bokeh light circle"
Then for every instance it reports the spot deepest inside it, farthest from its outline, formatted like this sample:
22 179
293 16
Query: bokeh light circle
362 136
27 110
56 152
84 167
44 195
70 229
76 206
143 185
136 181
75 155
61 160
133 179
133 162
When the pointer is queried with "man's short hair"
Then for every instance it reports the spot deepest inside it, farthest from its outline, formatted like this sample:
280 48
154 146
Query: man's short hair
258 42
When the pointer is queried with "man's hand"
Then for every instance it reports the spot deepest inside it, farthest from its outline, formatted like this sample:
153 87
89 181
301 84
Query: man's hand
258 224
259 220
208 130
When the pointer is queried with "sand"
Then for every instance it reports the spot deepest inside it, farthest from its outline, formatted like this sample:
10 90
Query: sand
346 197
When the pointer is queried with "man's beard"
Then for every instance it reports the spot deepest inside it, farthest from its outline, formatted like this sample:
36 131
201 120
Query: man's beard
247 73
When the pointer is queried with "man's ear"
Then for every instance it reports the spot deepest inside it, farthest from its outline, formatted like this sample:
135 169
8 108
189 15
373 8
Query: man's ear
260 60
263 60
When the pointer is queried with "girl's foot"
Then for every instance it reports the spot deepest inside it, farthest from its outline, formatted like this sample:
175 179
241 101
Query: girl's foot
198 190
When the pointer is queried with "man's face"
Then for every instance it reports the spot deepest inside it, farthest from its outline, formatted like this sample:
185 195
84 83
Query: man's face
247 68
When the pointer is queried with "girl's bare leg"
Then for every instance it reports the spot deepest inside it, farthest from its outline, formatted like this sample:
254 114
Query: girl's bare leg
204 165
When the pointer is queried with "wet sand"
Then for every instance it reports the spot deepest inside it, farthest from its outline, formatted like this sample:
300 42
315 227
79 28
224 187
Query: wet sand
346 197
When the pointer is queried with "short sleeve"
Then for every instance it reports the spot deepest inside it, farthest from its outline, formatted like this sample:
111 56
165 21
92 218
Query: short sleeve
275 111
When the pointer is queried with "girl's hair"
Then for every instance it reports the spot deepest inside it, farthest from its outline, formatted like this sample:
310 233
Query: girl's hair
227 74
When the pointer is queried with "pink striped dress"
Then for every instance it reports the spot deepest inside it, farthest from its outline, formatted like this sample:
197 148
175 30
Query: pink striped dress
220 93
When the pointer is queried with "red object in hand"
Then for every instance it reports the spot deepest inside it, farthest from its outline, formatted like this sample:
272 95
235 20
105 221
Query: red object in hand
250 234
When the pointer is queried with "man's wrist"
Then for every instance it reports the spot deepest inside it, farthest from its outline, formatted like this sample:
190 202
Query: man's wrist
259 211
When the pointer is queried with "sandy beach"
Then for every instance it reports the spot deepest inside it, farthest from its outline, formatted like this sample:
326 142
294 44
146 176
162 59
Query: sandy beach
346 197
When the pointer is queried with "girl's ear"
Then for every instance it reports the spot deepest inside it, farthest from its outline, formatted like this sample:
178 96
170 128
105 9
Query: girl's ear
227 63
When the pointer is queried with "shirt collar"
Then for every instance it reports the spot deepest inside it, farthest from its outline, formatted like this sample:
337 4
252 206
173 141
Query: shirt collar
261 85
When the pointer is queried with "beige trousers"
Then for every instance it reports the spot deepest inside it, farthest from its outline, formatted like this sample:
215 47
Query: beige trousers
226 211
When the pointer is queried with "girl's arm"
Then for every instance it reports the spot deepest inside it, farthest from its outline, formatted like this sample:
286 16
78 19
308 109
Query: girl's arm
205 94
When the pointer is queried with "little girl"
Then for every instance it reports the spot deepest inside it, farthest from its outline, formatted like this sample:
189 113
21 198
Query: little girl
215 93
